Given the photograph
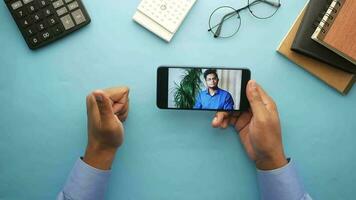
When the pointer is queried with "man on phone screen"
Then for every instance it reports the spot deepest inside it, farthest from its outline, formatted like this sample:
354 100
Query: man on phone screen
213 97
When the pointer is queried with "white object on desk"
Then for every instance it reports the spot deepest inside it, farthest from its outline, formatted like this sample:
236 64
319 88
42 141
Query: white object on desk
163 17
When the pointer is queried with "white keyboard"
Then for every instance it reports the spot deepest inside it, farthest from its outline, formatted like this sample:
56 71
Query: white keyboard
163 17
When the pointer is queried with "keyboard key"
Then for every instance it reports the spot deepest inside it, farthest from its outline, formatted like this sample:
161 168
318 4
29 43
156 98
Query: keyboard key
31 31
43 3
68 1
27 1
52 21
47 12
35 41
16 5
37 17
57 4
20 13
73 5
25 22
45 35
30 19
78 16
62 11
57 30
67 22
32 8
41 26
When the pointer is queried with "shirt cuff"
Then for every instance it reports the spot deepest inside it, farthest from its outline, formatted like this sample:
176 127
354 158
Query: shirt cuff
281 184
86 182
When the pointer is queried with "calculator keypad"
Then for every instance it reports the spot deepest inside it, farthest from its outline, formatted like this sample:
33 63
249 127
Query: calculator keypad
44 21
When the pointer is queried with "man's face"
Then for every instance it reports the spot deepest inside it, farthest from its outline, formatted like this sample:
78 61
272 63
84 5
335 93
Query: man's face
211 81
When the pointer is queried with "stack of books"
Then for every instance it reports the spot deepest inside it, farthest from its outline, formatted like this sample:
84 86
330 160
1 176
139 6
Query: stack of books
322 40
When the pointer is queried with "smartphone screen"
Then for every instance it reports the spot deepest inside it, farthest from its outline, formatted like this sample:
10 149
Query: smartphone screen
200 88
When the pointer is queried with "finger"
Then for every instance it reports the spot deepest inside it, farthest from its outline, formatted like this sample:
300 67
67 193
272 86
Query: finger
124 98
118 106
117 93
123 116
257 106
225 123
267 100
233 120
234 117
104 104
236 114
92 111
243 121
123 109
219 119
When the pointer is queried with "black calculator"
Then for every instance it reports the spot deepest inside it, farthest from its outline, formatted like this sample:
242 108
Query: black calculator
44 21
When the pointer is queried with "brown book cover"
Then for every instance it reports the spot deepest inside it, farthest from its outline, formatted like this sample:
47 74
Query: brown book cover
304 44
337 29
338 79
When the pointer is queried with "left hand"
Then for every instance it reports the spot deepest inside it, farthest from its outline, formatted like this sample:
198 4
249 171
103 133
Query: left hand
106 110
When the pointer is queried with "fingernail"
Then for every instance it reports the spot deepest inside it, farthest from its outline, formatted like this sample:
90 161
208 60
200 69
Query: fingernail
98 98
253 85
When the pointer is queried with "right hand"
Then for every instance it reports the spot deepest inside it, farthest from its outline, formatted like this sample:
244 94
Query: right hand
259 128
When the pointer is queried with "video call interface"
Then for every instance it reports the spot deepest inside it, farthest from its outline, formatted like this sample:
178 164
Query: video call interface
204 88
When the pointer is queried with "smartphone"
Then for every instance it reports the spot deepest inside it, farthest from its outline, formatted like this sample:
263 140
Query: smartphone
202 88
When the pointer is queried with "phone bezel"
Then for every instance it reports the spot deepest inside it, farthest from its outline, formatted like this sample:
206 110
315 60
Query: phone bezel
162 87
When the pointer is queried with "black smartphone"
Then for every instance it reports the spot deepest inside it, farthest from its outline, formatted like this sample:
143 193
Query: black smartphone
202 88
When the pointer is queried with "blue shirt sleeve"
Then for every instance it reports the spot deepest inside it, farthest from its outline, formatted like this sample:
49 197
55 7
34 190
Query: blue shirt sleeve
281 184
198 104
229 103
88 183
85 183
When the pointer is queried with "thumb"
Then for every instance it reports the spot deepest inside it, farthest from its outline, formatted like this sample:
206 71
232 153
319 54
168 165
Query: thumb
104 105
254 97
218 120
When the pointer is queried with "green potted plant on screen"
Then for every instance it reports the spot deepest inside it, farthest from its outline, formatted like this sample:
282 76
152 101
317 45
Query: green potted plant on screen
188 88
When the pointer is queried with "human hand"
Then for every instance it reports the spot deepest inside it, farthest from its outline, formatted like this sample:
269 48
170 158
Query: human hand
259 128
106 110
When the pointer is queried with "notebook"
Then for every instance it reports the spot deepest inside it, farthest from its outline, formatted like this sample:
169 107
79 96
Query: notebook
337 29
305 45
338 79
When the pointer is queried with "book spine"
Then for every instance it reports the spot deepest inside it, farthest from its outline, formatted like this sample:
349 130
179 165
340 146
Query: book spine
328 19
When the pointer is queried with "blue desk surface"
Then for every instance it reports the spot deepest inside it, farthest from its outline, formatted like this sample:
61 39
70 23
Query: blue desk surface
167 154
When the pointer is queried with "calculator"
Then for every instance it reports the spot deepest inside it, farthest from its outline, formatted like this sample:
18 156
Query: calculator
44 21
163 17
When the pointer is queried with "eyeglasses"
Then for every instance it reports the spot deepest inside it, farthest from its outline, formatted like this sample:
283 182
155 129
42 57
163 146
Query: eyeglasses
231 19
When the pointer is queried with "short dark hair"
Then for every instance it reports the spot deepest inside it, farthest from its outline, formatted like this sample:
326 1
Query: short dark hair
210 71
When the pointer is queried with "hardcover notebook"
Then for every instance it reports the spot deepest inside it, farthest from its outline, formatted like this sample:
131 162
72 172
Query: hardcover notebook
337 29
307 46
336 78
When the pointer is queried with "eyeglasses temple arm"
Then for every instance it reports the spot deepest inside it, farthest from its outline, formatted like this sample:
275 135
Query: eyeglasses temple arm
227 16
274 4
